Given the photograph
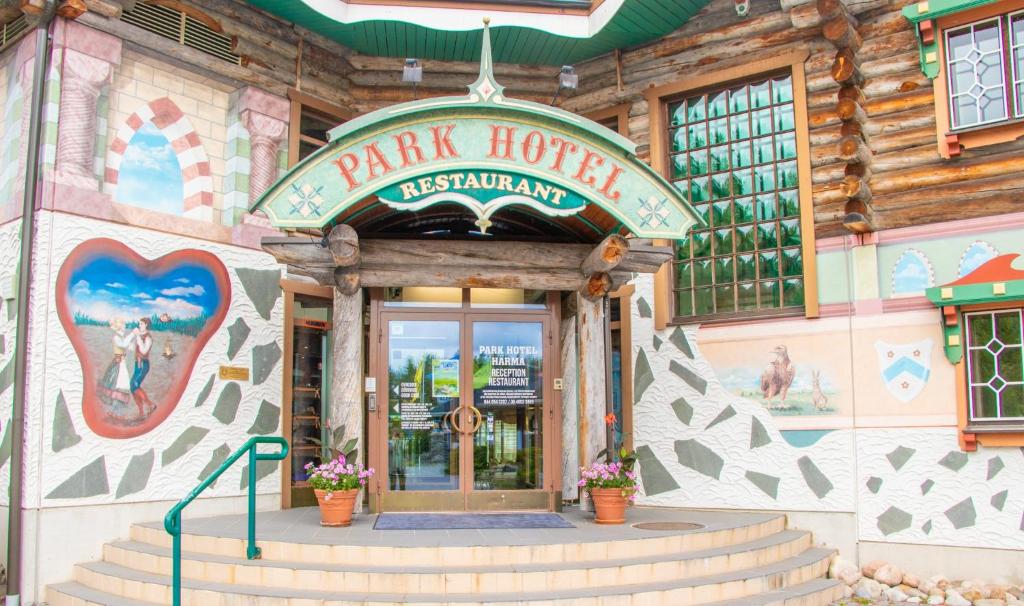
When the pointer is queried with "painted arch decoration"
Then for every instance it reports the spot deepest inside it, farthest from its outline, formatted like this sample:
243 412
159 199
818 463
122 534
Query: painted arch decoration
483 151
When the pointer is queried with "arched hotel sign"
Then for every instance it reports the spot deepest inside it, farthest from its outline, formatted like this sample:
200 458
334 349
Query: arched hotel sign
484 151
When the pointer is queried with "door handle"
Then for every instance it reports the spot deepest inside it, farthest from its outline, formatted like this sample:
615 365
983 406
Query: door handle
479 419
451 415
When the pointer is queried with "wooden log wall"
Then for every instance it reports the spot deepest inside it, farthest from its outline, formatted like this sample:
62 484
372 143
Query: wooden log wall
277 55
873 141
839 27
884 154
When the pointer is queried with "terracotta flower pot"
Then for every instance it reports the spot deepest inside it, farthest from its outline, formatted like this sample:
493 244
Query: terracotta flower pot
337 509
610 504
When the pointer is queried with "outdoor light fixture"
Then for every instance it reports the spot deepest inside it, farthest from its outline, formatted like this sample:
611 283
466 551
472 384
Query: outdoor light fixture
567 78
412 71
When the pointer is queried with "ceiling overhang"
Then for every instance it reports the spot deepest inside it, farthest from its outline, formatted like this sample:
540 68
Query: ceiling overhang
485 152
557 34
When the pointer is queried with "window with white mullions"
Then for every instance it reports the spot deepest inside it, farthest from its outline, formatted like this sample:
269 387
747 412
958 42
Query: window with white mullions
995 372
1017 60
985 67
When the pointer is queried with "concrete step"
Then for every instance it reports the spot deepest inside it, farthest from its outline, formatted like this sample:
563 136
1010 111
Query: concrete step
432 578
812 593
76 594
452 549
134 584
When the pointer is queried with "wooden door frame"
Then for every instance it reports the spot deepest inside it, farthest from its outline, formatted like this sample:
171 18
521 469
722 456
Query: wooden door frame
377 420
289 289
625 327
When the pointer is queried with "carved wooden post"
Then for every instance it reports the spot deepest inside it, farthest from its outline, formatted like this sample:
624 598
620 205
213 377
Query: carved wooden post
346 405
570 402
590 319
89 57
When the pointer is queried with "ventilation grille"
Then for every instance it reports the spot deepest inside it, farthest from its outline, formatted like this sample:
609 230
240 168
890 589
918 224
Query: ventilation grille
12 31
180 27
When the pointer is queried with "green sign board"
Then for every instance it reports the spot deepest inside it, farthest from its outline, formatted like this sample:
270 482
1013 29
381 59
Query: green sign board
485 152
483 192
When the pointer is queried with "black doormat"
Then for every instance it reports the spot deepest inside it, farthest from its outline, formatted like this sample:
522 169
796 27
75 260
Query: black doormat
469 521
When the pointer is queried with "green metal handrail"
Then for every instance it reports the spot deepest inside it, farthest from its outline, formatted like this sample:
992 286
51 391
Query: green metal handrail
172 521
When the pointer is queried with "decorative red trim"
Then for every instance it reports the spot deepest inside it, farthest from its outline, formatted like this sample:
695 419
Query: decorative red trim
835 310
968 441
953 147
935 231
898 304
927 31
91 249
999 269
868 307
823 245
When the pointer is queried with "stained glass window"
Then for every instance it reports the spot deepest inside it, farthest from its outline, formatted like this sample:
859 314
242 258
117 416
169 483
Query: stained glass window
994 368
985 70
733 153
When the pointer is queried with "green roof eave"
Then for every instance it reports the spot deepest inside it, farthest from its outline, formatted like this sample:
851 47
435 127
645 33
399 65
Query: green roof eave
996 281
635 22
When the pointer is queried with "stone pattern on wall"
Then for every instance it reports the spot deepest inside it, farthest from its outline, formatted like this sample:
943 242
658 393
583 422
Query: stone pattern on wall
919 487
10 249
213 418
701 446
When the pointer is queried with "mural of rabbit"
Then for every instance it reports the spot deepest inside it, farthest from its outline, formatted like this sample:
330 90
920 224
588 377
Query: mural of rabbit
817 395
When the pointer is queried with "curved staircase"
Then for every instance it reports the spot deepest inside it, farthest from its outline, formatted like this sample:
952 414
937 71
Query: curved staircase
732 559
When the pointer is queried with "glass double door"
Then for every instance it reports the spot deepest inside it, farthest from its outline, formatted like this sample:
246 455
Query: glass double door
466 400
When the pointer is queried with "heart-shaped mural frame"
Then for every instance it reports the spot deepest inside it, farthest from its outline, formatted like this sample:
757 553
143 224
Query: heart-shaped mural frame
95 250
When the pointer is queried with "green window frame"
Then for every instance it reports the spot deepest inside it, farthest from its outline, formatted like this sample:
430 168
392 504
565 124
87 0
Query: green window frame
732 148
995 365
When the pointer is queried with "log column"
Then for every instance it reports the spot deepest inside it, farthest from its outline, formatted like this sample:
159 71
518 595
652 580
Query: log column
346 405
89 59
265 116
570 401
346 397
590 319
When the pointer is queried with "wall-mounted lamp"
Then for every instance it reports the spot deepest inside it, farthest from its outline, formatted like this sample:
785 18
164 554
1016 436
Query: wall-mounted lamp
412 71
567 79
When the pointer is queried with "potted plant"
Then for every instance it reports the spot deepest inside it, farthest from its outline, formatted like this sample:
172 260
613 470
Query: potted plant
611 484
336 485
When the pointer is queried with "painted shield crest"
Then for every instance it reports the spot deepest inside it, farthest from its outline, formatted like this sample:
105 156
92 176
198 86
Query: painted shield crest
905 368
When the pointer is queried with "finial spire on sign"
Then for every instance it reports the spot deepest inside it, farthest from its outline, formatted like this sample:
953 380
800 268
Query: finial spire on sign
486 86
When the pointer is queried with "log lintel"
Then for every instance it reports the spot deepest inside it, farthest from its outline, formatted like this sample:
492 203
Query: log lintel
344 262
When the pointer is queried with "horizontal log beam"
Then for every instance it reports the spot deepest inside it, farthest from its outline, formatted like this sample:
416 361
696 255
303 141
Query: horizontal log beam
458 263
605 256
343 242
470 277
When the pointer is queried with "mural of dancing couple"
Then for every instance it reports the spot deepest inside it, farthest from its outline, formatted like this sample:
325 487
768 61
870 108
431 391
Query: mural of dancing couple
137 327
